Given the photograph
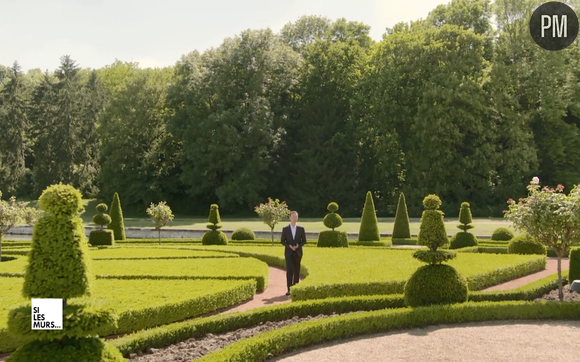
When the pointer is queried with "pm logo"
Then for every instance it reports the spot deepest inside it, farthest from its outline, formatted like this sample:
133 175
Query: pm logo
554 26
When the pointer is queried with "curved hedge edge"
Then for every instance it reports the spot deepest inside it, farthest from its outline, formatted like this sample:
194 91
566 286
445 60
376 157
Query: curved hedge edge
285 339
172 257
160 337
136 320
529 291
507 273
261 280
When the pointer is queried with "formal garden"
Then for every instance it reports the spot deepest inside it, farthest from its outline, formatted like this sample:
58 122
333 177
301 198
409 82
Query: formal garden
127 297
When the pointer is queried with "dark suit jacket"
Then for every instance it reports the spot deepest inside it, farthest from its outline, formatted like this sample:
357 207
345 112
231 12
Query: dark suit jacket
287 239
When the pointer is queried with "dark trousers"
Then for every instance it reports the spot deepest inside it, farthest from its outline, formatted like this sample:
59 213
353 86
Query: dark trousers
292 268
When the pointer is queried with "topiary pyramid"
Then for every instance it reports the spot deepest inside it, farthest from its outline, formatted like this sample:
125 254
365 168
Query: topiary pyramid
332 238
102 236
434 283
117 222
401 228
58 267
464 239
214 236
369 226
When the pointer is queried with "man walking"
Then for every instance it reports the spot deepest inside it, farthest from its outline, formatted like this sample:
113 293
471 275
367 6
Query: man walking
293 238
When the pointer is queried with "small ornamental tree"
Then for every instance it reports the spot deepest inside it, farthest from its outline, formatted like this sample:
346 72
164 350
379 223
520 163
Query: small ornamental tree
401 228
434 283
272 212
13 213
464 239
332 238
369 225
117 223
102 236
214 237
160 215
58 267
550 216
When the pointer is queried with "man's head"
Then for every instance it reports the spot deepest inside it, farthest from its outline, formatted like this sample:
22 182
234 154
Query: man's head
293 217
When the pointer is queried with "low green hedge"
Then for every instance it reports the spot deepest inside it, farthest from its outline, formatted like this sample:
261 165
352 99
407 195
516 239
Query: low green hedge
529 291
102 237
332 239
383 243
574 271
285 339
401 241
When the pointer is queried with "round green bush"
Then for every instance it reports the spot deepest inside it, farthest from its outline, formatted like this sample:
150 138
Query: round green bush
332 220
525 244
332 207
503 234
61 200
332 239
435 284
243 234
102 237
102 207
89 349
102 219
214 237
462 240
432 202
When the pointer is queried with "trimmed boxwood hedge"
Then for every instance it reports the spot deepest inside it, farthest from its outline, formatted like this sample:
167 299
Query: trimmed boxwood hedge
285 339
525 244
574 271
502 234
102 237
332 239
243 234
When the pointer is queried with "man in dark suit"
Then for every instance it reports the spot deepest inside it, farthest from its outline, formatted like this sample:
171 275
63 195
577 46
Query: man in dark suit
293 238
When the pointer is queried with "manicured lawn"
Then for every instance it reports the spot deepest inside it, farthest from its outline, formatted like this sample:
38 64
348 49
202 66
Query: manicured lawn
150 253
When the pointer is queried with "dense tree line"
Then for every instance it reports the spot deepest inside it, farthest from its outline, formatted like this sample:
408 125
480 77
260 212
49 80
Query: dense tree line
318 112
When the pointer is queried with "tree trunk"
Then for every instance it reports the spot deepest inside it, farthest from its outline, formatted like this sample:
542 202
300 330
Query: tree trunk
560 288
272 234
159 231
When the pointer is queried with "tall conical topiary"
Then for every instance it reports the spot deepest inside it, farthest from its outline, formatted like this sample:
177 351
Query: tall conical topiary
214 236
58 267
401 228
464 239
117 223
369 225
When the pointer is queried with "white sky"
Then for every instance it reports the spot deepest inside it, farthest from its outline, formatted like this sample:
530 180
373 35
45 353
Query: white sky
37 33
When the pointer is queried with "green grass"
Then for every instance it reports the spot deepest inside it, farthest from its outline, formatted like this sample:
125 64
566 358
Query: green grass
124 295
153 253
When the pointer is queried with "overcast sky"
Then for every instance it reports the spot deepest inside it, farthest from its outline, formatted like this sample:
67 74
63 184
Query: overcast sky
37 33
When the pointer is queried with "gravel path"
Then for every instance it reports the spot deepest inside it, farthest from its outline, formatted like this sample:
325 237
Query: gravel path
490 341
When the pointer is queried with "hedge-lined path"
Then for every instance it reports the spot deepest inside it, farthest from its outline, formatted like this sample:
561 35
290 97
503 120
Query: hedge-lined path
509 341
551 268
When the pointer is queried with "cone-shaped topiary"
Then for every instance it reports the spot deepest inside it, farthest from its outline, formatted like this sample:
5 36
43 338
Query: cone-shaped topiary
59 248
102 237
214 236
401 228
332 220
369 226
464 239
58 267
117 223
432 232
332 238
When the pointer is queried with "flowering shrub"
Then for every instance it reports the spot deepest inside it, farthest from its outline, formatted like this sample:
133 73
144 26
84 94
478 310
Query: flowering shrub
550 216
272 212
160 214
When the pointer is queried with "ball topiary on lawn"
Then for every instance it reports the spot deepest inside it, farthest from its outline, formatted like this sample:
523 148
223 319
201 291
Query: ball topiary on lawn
332 220
435 284
214 237
463 240
243 234
369 226
502 234
117 222
401 228
525 244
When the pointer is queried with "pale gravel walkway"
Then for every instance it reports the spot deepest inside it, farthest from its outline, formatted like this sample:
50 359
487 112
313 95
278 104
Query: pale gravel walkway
515 341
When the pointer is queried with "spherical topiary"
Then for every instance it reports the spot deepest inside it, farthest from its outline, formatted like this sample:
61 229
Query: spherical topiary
61 200
102 220
432 231
88 349
503 234
332 220
117 222
463 240
243 234
332 239
102 207
525 244
369 226
332 207
435 284
214 237
401 228
58 262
